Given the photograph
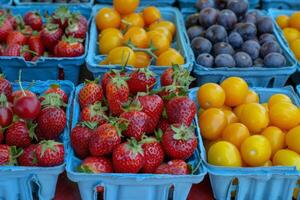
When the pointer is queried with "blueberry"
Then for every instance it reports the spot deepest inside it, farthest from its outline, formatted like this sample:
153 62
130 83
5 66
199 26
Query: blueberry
206 60
265 25
227 19
239 7
201 4
269 47
235 40
221 4
249 18
243 59
257 13
266 37
248 31
192 20
194 31
258 62
208 17
201 45
224 60
274 60
216 33
252 48
222 48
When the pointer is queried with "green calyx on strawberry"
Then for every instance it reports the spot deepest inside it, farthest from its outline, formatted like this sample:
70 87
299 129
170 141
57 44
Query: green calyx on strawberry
3 100
48 144
119 81
182 76
183 132
51 27
31 127
90 125
146 139
120 124
98 109
134 105
148 73
13 154
53 100
72 40
61 15
158 134
85 169
171 91
134 147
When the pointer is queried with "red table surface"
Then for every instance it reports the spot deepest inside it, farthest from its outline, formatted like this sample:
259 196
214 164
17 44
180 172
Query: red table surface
67 190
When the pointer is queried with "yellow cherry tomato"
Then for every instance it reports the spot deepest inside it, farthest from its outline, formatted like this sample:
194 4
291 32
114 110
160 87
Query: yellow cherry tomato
224 154
252 97
266 106
169 58
208 143
276 138
125 7
109 39
230 116
283 21
211 95
151 14
256 150
137 36
159 41
235 133
165 32
286 157
142 60
132 20
292 139
277 98
121 55
238 110
107 18
224 107
268 164
166 24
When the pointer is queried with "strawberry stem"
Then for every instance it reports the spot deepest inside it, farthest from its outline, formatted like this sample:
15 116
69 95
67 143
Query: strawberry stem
20 84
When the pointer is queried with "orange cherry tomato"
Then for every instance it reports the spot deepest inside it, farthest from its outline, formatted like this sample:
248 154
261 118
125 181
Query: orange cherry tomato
235 133
169 58
109 39
277 98
137 36
121 55
132 20
293 139
166 24
276 138
165 32
211 95
142 60
252 97
159 41
151 14
107 18
230 116
125 7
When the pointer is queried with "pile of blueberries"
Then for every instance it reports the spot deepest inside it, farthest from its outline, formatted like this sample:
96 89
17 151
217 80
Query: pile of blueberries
225 34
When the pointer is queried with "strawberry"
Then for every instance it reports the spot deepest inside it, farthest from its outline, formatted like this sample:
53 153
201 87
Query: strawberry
107 76
35 44
55 88
52 119
28 157
6 112
171 91
5 87
8 155
80 18
141 80
90 93
1 134
69 47
153 154
175 167
51 35
179 141
34 20
20 134
61 16
138 123
50 153
80 138
96 165
167 77
181 110
76 29
5 28
106 137
128 157
15 37
117 93
94 113
19 93
163 125
18 50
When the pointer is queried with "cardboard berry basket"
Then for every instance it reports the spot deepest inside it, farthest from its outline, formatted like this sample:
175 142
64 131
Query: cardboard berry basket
45 68
191 3
281 4
131 186
268 183
19 182
50 3
180 43
144 2
5 2
255 76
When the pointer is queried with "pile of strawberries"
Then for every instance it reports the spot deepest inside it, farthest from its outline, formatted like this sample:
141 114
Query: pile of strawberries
62 35
30 124
127 127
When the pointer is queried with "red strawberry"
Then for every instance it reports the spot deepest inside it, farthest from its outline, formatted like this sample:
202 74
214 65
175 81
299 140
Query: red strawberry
80 18
61 16
34 20
52 119
94 113
28 157
171 91
177 76
5 28
179 141
117 93
80 138
163 125
5 87
128 157
167 77
69 47
153 154
141 80
90 93
19 93
76 29
96 165
107 76
106 137
18 50
50 153
8 155
55 88
51 35
175 167
6 112
181 110
20 134
1 135
16 37
35 44
138 124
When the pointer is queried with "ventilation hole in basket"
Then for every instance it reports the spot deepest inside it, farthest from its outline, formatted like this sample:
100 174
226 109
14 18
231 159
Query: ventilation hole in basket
35 190
171 192
234 188
100 192
296 194
271 82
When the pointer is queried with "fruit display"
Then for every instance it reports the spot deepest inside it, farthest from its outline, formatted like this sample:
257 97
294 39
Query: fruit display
241 131
228 35
137 39
30 125
126 126
60 34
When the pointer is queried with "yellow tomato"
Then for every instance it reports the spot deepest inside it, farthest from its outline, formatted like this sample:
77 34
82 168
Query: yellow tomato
109 39
268 164
107 18
230 116
235 133
142 60
169 58
211 95
224 107
137 36
283 21
151 14
277 98
165 32
132 20
294 20
160 42
121 56
238 110
208 143
291 34
285 157
293 139
256 150
266 106
166 24
295 46
276 138
125 7
224 154
252 97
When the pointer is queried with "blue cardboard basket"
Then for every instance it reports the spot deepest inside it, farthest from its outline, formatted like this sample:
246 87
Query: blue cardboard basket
144 2
181 43
46 68
130 186
267 183
281 4
5 2
18 182
256 77
22 3
191 3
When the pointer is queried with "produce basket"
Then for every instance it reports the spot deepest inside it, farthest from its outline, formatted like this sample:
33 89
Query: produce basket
181 43
255 77
191 3
5 2
45 68
281 4
255 183
130 186
144 2
19 182
24 3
